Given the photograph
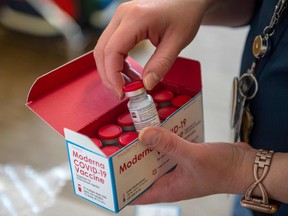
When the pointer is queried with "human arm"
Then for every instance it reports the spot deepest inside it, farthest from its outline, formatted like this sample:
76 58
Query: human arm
209 168
169 25
229 12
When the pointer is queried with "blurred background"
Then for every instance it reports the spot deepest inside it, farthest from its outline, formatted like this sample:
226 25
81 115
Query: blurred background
37 36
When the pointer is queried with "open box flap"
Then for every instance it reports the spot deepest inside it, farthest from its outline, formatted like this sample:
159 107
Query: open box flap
187 68
82 140
72 96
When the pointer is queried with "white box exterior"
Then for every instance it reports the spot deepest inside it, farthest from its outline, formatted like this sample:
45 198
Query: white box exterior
116 181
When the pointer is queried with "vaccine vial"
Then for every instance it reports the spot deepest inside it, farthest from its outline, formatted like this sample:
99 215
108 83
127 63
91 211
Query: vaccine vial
110 150
165 112
97 142
126 122
180 100
141 105
109 134
127 138
163 98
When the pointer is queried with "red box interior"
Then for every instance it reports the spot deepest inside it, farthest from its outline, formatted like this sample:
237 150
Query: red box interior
73 96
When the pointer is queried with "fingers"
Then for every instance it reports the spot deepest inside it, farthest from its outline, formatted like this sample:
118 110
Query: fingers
116 50
166 142
161 61
130 72
132 23
110 56
99 54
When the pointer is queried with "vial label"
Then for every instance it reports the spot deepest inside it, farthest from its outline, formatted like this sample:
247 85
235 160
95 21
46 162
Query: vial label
145 116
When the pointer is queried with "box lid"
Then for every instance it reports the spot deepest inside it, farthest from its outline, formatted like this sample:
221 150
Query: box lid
73 96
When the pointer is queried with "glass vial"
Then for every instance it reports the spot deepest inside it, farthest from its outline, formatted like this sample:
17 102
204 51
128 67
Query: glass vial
126 122
141 106
163 98
109 134
127 138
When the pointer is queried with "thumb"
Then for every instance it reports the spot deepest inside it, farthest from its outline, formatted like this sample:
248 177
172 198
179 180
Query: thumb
164 141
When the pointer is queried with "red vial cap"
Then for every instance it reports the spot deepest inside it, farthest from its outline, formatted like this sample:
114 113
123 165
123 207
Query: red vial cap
165 112
110 150
108 132
125 119
133 86
180 100
162 96
97 142
127 138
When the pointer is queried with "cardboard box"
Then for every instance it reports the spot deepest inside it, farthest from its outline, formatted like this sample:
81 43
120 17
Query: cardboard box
73 100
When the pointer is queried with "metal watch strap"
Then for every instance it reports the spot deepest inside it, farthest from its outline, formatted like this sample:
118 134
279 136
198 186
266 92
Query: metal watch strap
261 165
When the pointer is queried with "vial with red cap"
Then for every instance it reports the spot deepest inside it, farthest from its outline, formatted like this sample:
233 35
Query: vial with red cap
109 134
180 100
127 138
97 142
110 150
165 112
163 97
141 105
126 122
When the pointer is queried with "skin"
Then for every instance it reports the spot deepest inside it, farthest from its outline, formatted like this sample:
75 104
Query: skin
163 23
170 25
209 168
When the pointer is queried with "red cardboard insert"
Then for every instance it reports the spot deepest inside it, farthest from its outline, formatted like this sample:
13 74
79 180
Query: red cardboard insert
73 96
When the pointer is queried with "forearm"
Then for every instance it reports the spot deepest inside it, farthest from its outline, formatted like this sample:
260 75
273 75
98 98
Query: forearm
229 12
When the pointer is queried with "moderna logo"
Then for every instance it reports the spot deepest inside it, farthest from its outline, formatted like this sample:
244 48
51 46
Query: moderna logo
134 160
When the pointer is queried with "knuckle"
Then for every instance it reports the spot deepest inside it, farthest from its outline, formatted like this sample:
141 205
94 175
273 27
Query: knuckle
97 58
165 63
121 8
96 52
137 10
133 11
108 50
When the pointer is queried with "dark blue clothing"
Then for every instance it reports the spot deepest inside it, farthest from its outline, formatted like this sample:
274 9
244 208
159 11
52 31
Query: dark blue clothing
270 106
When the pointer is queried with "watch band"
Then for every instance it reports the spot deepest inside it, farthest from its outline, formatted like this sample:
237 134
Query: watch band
261 166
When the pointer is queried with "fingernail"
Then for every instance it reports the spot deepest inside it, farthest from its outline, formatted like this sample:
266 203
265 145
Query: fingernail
147 136
150 80
142 134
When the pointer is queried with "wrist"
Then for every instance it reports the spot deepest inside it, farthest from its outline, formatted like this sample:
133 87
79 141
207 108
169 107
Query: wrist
251 198
240 173
247 177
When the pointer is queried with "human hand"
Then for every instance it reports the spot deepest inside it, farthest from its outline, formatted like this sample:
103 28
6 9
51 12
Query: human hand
169 25
202 169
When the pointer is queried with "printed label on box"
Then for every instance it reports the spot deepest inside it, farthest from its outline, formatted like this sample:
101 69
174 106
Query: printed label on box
188 121
141 164
91 176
